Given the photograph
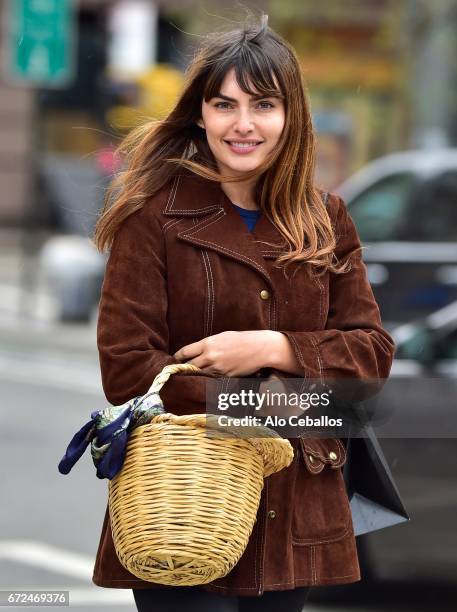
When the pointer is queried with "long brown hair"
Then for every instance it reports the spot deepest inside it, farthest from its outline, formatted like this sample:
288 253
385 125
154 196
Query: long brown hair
285 187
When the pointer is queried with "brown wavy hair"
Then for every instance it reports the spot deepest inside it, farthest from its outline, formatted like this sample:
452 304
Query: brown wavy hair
285 189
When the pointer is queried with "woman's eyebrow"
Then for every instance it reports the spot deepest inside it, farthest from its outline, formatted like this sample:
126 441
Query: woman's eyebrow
256 97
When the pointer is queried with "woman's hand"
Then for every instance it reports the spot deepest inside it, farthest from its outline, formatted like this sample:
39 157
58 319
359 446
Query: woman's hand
234 353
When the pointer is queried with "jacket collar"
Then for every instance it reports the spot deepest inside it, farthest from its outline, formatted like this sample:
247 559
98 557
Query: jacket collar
218 226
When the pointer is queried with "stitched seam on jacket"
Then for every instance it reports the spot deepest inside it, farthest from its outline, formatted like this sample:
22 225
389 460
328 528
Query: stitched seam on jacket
238 255
217 586
242 257
192 211
313 563
206 325
327 577
213 294
164 227
169 224
343 450
316 453
336 577
172 194
329 540
186 211
297 580
275 314
317 469
302 361
318 355
221 213
321 299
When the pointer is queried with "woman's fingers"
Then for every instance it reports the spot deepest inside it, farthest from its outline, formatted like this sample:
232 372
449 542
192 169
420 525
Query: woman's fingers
189 351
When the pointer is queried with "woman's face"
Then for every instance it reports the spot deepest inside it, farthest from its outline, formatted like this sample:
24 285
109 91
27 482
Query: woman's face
241 130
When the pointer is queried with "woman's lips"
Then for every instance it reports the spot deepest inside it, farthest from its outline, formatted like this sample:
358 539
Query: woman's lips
243 149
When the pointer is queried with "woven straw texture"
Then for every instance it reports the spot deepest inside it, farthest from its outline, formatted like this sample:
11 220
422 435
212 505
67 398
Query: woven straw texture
184 504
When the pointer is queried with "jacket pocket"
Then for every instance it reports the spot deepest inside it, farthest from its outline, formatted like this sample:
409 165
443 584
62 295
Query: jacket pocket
321 510
319 452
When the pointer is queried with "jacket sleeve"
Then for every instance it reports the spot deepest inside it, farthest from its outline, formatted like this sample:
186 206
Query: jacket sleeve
132 330
353 343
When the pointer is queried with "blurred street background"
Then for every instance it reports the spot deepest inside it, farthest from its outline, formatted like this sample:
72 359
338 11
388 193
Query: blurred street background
75 77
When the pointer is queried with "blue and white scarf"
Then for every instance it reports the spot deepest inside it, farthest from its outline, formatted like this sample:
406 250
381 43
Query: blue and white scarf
107 432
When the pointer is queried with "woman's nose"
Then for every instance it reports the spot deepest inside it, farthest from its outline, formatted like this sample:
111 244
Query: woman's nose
244 123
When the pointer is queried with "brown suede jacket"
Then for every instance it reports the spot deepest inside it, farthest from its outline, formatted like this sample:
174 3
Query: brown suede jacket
185 267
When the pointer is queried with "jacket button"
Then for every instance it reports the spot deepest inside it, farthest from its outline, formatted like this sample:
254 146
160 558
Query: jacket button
271 514
264 294
332 455
311 458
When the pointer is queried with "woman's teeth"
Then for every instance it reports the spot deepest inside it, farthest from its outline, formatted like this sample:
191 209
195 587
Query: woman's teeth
243 144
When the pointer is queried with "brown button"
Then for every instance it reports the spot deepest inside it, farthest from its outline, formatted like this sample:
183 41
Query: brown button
332 455
271 514
264 294
311 458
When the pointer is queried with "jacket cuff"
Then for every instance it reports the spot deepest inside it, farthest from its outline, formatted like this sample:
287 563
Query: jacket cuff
335 358
333 353
306 352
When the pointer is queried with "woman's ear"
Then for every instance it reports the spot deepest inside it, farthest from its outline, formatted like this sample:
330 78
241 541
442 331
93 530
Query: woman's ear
200 123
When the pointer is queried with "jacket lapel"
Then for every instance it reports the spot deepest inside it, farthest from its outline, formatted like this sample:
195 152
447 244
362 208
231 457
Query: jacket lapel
219 227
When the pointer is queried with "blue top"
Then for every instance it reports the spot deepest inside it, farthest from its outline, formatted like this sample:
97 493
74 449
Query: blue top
250 217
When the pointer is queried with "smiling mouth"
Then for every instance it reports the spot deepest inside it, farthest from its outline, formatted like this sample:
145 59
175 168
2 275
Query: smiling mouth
241 148
243 145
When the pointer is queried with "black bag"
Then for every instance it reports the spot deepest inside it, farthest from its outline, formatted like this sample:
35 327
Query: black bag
373 495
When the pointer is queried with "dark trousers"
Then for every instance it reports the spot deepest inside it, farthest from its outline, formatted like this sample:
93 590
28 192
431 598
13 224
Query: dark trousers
196 599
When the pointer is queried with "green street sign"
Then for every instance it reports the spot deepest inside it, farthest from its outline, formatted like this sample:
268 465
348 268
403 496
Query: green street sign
41 41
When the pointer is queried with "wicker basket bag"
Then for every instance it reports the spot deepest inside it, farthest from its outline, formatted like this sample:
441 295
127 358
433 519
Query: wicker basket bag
184 504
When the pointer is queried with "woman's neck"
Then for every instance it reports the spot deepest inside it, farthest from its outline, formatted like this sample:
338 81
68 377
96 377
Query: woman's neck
241 194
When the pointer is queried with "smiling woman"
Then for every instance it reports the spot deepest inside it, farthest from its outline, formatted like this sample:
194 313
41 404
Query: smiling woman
242 131
189 278
235 93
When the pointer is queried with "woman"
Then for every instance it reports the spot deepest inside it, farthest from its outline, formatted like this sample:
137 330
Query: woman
224 254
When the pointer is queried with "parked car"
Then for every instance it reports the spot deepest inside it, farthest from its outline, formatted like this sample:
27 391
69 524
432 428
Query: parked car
405 208
74 272
428 346
71 194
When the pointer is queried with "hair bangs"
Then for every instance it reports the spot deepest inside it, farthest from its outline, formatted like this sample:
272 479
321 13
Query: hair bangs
255 73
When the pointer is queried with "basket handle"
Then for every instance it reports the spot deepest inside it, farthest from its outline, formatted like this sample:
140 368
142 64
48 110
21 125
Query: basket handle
167 371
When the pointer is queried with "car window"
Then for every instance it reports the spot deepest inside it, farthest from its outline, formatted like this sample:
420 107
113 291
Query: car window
434 213
419 346
424 346
447 347
381 212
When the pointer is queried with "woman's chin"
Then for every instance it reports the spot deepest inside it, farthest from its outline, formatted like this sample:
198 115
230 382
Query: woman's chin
242 167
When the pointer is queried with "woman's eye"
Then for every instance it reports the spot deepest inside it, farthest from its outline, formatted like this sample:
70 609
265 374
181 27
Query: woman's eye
268 104
264 105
